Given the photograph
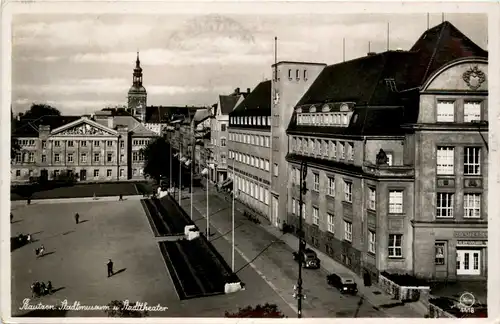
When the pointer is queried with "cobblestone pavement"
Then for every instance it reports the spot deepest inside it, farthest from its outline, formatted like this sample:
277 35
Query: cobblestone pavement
77 255
272 259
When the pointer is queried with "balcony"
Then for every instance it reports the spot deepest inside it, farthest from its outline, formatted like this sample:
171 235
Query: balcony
395 171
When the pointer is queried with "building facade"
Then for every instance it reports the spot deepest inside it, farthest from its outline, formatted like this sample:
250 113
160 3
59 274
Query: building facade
290 82
397 176
219 132
250 150
103 147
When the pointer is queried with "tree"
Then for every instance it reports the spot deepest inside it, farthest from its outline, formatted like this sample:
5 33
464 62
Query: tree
116 308
39 110
156 158
262 311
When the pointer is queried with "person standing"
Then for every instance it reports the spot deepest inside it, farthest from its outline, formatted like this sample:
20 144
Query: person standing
77 218
121 197
110 268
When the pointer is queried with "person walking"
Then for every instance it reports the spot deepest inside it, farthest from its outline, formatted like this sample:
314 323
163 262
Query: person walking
121 197
110 268
77 218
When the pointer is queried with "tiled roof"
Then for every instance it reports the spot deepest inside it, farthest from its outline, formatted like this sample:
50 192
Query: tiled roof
162 114
29 127
366 83
257 103
201 115
227 103
134 126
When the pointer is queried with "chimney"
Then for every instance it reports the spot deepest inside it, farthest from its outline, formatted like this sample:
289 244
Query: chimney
371 54
248 90
110 122
20 115
237 91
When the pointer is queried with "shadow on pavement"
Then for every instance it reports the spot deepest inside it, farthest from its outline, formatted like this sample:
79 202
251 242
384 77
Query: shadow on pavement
56 290
17 221
68 232
83 221
119 271
45 254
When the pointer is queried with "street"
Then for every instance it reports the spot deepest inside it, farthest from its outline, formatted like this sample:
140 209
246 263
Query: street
272 259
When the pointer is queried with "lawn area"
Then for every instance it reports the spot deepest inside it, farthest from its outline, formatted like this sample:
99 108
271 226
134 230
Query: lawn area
81 190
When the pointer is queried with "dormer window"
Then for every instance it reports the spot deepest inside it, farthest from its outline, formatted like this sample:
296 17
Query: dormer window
391 84
258 121
289 74
312 109
305 75
268 122
325 108
345 121
297 75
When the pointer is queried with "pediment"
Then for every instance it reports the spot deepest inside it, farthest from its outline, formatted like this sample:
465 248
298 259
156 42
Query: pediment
84 127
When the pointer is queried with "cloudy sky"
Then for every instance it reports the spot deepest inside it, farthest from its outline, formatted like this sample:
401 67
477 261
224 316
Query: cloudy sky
83 63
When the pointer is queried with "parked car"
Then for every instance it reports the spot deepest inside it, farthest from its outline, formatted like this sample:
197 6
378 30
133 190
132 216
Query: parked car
344 283
309 259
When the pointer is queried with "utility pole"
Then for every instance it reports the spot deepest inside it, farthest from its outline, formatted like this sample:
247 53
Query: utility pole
303 191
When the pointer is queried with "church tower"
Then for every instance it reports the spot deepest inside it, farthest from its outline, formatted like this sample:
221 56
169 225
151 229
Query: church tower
137 95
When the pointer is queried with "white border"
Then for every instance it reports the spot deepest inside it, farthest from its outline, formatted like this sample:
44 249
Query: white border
252 7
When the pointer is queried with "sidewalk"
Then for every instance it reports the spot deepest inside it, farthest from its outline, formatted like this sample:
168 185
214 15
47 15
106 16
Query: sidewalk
377 299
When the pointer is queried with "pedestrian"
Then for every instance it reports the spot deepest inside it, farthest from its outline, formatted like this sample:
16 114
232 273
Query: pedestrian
110 268
77 218
28 201
121 197
49 287
28 238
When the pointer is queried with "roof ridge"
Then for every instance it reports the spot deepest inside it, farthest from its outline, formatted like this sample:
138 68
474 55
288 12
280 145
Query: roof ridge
435 51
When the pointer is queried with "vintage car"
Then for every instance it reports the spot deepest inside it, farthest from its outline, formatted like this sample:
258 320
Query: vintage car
309 259
344 283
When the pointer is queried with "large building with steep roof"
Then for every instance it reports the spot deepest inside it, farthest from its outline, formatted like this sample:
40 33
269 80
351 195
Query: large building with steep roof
249 149
102 147
396 149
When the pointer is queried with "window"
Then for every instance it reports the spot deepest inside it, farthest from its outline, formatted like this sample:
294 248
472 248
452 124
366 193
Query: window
19 158
109 173
18 173
57 143
267 197
315 216
266 139
293 206
445 160
395 249
121 172
472 205
439 258
44 144
371 242
31 157
122 144
348 191
110 157
70 158
305 75
348 231
275 169
267 165
325 148
333 148
303 210
222 127
290 74
44 158
135 156
83 157
83 143
56 173
122 158
472 161
395 202
96 173
446 111
96 157
331 224
97 143
472 111
372 198
331 186
223 142
297 75
350 151
342 150
57 158
316 181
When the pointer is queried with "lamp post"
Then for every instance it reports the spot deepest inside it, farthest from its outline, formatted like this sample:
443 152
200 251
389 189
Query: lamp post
303 191
232 230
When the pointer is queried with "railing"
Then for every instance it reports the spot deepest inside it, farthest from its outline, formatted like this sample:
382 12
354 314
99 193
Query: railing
389 170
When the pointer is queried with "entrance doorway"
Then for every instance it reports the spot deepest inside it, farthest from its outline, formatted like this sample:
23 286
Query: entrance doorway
83 175
275 212
468 262
44 175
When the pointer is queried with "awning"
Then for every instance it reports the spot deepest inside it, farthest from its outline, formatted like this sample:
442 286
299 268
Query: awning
204 171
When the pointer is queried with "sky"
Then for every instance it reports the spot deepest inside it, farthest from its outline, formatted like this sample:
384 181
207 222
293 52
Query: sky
83 63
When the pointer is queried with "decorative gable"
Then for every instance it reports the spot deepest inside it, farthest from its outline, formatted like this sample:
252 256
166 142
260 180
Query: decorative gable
84 127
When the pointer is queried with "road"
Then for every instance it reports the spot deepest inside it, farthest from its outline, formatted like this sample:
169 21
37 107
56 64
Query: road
272 259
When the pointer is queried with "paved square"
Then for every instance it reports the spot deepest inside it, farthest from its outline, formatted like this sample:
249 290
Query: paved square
109 230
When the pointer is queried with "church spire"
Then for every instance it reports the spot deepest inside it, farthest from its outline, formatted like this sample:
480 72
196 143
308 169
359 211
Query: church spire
137 79
137 62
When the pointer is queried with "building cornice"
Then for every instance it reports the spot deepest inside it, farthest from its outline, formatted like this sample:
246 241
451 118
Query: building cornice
476 224
448 127
447 92
346 136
